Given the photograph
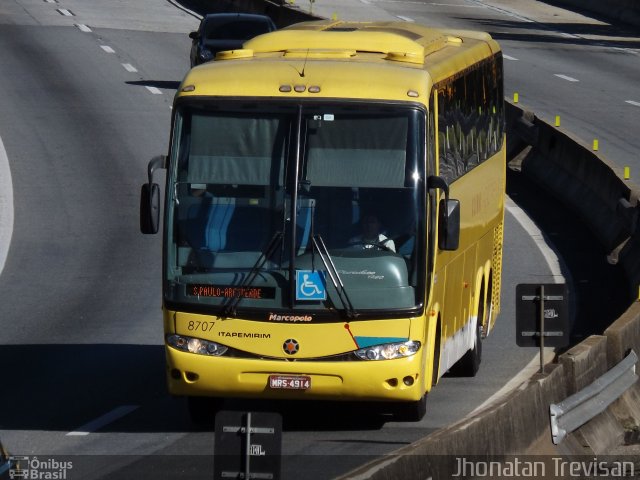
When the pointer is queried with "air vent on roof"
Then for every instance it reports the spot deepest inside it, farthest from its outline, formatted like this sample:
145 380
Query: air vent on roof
341 29
405 57
234 54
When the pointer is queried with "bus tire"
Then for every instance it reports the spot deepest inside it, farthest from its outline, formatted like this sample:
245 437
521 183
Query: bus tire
202 410
436 356
411 411
469 364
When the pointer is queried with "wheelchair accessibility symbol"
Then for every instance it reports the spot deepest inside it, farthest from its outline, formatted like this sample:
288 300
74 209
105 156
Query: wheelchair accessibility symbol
310 285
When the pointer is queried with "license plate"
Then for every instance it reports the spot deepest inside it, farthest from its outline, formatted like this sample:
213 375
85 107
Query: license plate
290 382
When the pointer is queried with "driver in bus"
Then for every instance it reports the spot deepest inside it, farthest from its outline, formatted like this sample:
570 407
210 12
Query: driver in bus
372 236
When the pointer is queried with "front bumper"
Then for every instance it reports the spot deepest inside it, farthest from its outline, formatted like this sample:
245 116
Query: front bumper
385 380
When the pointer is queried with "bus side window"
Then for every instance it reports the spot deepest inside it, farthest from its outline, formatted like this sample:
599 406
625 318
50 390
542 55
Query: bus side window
470 119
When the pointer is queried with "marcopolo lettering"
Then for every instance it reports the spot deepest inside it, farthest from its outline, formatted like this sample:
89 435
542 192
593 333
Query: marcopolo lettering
274 317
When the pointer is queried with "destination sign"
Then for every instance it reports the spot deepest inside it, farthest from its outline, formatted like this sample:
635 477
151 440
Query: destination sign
230 291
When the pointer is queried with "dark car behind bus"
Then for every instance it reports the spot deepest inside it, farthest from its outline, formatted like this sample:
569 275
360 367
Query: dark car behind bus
226 31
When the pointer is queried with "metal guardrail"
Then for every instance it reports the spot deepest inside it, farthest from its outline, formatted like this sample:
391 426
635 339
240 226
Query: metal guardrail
579 408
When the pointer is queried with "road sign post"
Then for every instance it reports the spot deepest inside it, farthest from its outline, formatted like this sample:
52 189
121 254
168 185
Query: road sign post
247 445
542 316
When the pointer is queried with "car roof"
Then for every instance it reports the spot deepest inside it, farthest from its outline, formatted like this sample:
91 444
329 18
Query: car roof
236 16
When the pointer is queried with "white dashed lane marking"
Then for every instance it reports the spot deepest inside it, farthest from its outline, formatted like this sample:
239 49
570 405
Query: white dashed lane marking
550 256
105 419
566 77
6 206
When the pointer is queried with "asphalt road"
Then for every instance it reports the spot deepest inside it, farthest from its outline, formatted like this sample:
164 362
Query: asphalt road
86 103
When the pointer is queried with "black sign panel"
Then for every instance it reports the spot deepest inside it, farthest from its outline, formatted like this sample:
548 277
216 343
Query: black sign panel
247 445
556 315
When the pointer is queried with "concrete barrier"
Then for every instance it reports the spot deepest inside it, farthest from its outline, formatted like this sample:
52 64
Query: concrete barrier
627 11
584 363
586 183
629 257
623 335
498 432
581 366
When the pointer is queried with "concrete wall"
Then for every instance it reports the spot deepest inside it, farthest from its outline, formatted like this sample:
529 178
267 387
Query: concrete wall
586 183
627 11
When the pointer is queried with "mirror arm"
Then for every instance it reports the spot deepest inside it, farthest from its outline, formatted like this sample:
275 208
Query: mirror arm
159 161
433 182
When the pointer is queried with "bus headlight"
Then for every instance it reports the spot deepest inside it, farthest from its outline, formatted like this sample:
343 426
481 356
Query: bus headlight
388 351
196 345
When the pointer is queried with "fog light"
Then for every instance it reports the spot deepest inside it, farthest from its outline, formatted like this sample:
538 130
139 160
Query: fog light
408 381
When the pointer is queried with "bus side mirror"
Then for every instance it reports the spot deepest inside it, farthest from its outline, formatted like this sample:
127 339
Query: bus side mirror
449 217
449 224
149 208
150 198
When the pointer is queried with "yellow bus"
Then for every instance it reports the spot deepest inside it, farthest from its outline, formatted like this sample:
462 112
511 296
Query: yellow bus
333 215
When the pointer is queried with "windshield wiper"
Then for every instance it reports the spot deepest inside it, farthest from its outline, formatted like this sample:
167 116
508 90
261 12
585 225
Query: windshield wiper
325 256
230 308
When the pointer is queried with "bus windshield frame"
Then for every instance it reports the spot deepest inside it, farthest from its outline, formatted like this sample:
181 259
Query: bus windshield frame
241 169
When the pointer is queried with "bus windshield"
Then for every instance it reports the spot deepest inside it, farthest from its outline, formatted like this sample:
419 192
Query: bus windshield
289 208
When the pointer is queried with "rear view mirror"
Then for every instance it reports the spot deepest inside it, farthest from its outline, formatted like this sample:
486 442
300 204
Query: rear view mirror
150 198
449 216
194 35
150 208
449 224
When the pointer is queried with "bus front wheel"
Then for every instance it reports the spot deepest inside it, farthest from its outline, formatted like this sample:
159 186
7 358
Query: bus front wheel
411 411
